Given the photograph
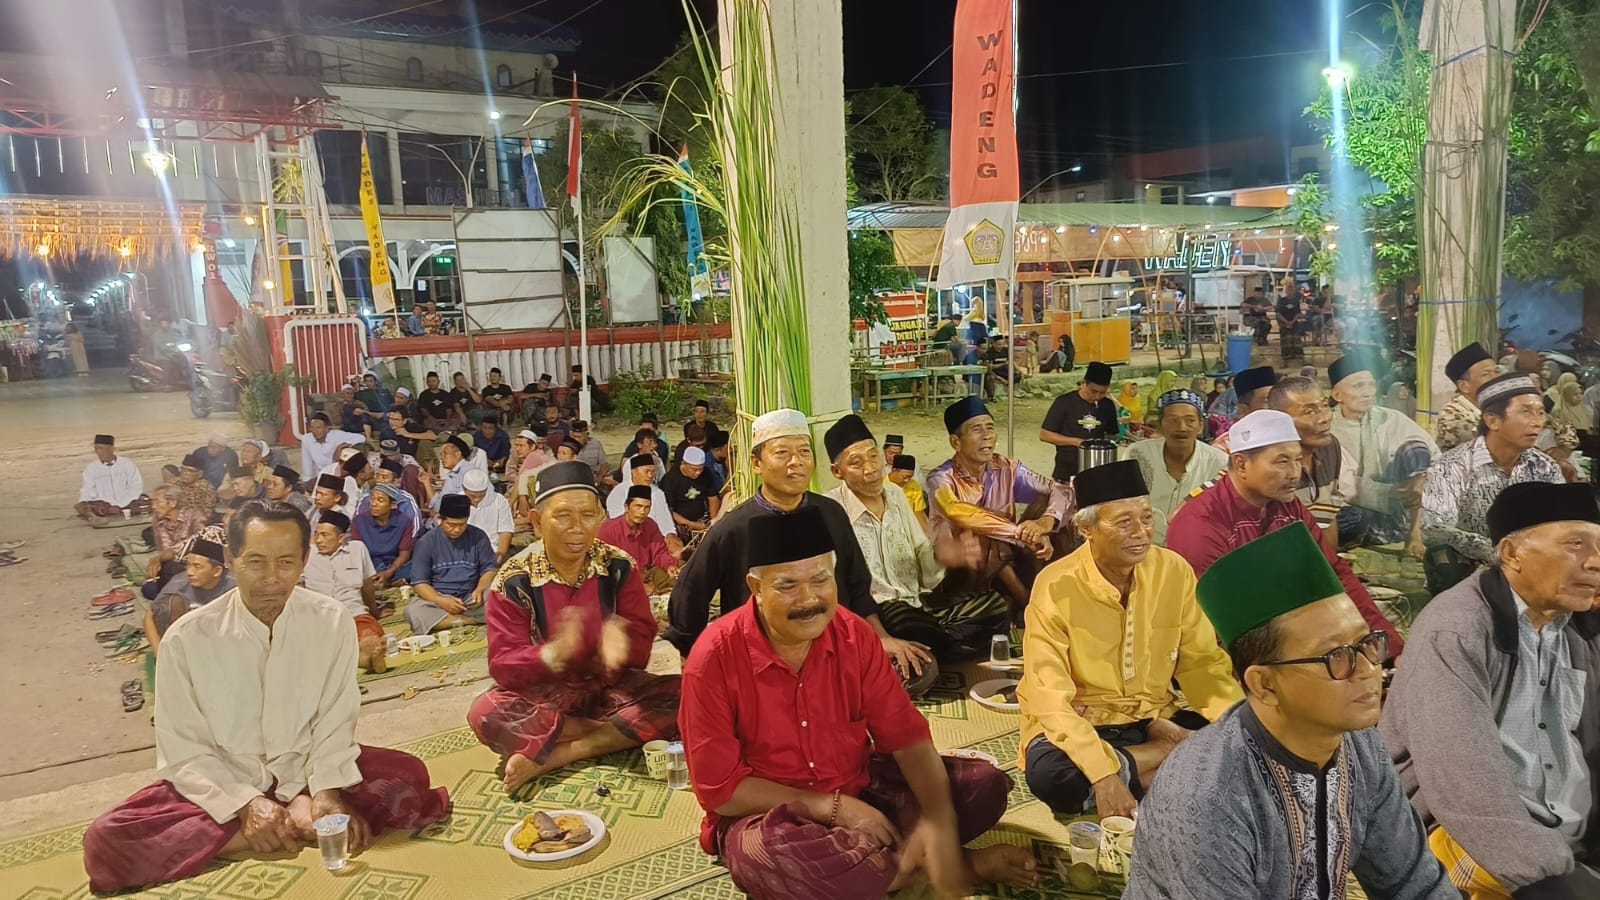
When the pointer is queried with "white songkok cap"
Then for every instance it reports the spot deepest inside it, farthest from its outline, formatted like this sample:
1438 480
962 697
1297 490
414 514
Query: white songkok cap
779 423
475 480
1262 428
694 456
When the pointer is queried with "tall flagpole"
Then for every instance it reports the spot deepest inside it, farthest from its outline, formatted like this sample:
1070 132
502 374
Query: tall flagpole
575 191
1011 285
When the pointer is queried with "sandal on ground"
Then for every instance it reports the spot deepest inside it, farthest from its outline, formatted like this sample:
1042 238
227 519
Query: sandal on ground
113 597
7 559
107 638
111 612
132 696
131 644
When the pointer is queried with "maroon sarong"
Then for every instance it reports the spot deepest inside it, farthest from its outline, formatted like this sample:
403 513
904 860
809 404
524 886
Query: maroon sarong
781 854
640 705
157 836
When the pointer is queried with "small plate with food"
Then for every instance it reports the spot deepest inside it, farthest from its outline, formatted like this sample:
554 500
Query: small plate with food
997 693
417 642
554 836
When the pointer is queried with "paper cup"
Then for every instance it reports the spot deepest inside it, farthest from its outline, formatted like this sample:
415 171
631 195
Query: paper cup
655 759
1117 826
444 638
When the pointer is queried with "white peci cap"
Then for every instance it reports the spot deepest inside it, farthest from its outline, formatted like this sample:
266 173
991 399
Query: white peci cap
694 456
475 480
779 423
1262 428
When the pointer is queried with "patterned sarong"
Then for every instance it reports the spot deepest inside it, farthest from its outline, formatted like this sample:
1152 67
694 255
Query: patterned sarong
780 854
157 836
640 705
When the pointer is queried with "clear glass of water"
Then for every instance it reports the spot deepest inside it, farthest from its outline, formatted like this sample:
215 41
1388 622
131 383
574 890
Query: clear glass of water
677 767
1000 650
333 839
1083 842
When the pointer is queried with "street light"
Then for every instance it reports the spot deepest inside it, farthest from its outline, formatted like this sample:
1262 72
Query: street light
1337 75
1073 169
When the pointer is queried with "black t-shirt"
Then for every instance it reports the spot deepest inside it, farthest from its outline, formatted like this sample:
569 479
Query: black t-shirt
462 397
500 391
690 498
1067 415
1289 308
407 446
434 404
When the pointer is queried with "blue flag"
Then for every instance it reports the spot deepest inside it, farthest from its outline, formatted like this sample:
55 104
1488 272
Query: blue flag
530 174
691 223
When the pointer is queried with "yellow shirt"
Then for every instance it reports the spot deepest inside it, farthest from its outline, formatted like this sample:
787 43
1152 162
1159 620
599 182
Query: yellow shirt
916 496
1089 662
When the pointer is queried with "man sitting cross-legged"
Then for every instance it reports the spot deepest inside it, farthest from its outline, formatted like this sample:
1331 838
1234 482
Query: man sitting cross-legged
112 485
1109 628
818 776
388 532
204 578
1385 460
450 570
637 534
641 470
570 630
341 569
1494 660
255 728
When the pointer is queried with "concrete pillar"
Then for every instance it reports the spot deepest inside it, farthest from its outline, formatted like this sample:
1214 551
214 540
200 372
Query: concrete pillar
807 74
399 198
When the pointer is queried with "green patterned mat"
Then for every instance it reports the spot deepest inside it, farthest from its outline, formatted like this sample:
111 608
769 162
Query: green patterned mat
650 851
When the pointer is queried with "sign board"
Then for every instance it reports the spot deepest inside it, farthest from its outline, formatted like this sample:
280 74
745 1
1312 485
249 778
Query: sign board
631 279
905 334
509 261
1194 253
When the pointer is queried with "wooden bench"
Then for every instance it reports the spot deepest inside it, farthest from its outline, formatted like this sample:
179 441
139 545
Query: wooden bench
913 386
947 384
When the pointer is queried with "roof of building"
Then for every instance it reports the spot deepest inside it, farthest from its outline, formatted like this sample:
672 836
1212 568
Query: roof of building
891 216
529 35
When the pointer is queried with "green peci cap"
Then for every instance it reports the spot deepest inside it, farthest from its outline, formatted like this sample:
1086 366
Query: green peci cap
1272 575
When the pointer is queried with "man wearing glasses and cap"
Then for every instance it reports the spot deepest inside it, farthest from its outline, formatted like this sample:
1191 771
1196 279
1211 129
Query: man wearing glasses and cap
198 494
570 631
1292 791
1493 721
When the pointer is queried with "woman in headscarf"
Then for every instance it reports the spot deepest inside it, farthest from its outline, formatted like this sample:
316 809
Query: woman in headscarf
1400 399
1130 407
1569 408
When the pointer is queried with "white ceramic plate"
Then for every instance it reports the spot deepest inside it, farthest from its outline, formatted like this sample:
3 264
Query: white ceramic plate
964 753
1379 592
417 641
597 830
983 690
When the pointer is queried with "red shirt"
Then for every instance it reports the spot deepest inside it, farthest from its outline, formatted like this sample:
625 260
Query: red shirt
644 543
1220 520
515 641
746 714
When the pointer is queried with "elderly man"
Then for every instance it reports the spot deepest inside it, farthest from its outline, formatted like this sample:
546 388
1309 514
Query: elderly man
1463 482
256 456
322 441
342 569
781 454
1469 370
450 569
1257 497
255 728
491 513
1098 724
818 778
1493 660
691 497
173 525
641 471
284 487
972 509
389 534
636 534
570 630
204 578
906 574
1177 463
1082 415
217 457
1321 457
1251 388
1386 459
197 491
454 464
241 487
1291 792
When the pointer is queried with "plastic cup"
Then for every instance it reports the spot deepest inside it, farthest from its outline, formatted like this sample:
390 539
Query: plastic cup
333 840
655 759
1083 843
444 639
677 767
1000 650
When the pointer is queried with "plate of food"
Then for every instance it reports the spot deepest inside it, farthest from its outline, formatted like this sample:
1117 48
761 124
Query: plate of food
418 642
997 693
554 836
967 753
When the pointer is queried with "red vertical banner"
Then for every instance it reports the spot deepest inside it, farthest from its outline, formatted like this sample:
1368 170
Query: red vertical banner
575 147
980 235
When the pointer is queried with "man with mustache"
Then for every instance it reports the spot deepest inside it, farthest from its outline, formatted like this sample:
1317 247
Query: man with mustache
972 502
818 776
1463 482
1386 459
1320 454
1493 721
570 630
782 456
1291 792
1255 497
1097 723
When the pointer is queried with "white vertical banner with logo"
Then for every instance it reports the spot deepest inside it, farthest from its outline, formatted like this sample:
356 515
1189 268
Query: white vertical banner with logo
980 235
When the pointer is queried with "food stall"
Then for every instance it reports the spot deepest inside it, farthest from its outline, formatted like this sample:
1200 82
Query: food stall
1096 313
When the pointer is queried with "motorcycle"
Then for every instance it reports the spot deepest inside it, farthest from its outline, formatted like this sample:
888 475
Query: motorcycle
174 373
214 391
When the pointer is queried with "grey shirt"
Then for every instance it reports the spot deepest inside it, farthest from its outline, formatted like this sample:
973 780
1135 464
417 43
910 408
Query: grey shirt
1235 816
1537 727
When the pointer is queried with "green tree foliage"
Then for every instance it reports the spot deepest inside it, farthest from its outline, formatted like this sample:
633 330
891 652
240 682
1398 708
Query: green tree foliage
872 271
893 146
1553 191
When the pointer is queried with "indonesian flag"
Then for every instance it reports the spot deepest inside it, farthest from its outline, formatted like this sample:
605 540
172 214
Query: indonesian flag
575 147
530 176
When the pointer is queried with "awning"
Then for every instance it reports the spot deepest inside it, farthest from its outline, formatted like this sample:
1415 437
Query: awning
894 216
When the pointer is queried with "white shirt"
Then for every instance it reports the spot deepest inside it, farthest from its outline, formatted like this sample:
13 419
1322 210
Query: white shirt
241 706
479 460
493 516
341 574
315 455
1167 493
117 483
626 476
617 504
898 552
352 489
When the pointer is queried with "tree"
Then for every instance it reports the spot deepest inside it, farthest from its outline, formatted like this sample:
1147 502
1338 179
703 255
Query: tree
608 154
873 270
892 144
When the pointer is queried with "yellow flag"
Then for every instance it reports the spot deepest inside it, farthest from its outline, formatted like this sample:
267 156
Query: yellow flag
382 281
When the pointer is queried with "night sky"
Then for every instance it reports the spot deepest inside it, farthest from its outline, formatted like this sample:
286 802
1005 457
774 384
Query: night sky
1213 94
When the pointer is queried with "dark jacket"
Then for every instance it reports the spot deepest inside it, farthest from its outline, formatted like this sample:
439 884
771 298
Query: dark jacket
1441 726
718 567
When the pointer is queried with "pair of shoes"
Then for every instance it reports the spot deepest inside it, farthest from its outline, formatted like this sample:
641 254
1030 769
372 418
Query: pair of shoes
113 597
108 638
111 612
133 643
132 696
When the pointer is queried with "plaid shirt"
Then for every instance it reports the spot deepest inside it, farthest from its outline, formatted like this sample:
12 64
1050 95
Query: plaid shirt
1462 484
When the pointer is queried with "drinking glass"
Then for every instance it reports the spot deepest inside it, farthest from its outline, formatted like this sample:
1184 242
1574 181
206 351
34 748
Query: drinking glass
677 767
1083 842
333 839
1000 650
